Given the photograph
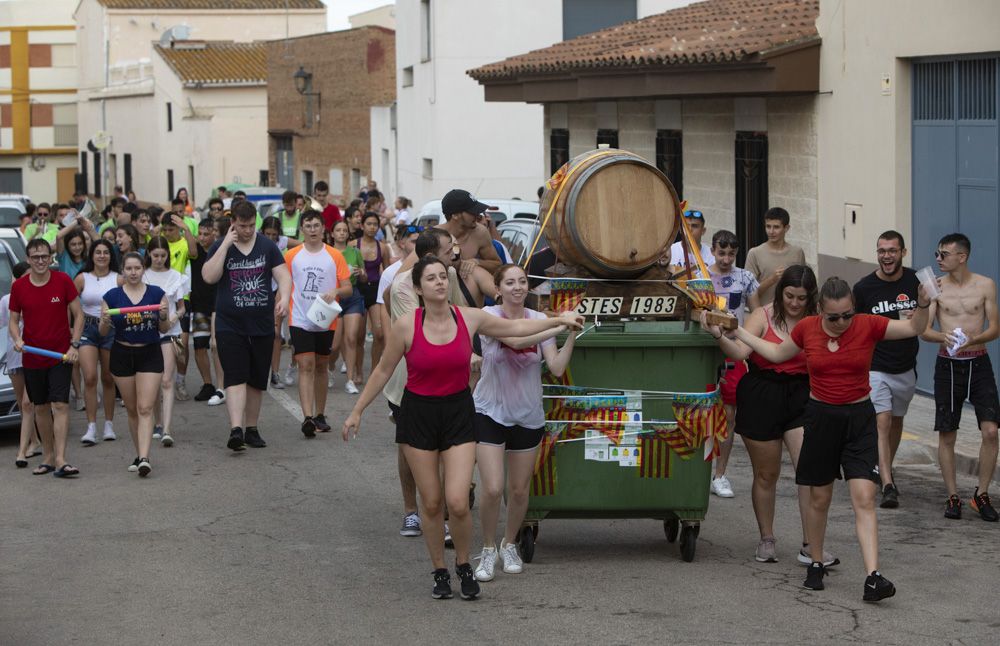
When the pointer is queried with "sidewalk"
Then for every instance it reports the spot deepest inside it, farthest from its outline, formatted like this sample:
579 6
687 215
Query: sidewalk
920 441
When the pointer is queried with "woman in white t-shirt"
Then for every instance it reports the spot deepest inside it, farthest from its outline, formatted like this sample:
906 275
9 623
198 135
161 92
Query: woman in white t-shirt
175 286
510 421
403 206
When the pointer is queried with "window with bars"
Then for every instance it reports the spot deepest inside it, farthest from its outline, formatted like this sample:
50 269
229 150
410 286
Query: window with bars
670 159
558 149
607 136
751 190
977 89
949 90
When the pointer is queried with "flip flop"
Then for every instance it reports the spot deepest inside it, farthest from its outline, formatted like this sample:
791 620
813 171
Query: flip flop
21 464
42 469
66 471
33 454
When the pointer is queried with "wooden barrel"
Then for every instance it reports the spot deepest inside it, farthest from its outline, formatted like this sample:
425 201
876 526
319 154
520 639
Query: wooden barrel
615 213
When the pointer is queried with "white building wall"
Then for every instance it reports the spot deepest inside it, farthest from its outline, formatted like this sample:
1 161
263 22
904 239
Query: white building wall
383 152
865 134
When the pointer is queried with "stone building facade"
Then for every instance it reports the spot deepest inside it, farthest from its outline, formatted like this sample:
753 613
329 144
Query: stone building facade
324 131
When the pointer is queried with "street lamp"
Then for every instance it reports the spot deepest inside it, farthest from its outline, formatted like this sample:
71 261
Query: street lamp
303 81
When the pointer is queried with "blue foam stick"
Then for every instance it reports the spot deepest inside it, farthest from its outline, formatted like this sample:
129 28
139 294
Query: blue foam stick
44 353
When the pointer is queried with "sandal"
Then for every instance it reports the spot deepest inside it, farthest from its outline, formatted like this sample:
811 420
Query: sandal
20 464
42 469
33 454
66 471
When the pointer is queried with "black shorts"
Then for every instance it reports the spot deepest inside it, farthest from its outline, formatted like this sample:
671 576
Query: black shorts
48 385
437 423
512 438
838 437
126 360
186 319
958 379
397 414
306 342
768 403
245 359
369 291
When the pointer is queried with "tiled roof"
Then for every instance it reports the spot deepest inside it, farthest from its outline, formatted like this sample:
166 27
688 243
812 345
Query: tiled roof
246 5
217 62
715 31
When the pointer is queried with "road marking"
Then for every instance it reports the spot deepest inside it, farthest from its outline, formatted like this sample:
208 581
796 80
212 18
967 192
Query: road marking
909 436
286 401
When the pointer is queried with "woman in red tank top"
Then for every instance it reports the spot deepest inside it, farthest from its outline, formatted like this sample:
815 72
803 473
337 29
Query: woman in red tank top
840 436
437 411
771 400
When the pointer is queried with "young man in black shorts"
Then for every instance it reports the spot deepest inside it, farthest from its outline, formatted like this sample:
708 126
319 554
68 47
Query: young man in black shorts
242 264
202 306
966 313
890 291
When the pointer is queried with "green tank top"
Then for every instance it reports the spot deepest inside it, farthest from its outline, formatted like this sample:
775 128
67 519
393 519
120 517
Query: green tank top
354 259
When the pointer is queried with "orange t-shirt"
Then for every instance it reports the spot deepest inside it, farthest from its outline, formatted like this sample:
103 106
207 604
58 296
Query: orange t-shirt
313 274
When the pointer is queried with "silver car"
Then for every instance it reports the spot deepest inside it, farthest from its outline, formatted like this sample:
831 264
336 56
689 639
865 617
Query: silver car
10 414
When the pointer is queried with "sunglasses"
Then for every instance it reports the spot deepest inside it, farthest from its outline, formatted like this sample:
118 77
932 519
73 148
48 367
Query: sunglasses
42 213
694 214
833 318
412 229
944 254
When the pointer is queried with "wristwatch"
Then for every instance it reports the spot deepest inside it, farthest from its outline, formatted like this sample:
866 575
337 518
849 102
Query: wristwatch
75 344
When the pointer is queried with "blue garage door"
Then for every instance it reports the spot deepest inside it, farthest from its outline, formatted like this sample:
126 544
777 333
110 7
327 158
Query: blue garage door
955 169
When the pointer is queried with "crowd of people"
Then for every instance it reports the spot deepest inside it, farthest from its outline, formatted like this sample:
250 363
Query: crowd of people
826 371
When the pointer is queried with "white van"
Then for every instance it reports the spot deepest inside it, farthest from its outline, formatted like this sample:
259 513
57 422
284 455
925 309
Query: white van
430 214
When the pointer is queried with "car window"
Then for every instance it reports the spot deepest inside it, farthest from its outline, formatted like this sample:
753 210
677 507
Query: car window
6 275
10 216
17 246
496 216
515 243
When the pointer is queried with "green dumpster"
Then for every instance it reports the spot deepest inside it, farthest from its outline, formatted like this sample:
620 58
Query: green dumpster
582 473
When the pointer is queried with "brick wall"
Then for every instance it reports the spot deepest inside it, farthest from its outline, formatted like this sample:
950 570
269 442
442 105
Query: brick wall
709 134
352 70
792 167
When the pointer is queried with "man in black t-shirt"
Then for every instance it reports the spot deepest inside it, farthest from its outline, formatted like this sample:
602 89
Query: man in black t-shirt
242 266
202 306
890 291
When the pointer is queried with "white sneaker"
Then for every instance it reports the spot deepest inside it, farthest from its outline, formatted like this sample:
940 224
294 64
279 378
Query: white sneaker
722 488
350 388
166 440
512 563
157 432
291 372
448 541
181 392
90 437
81 403
276 381
329 380
343 367
216 399
487 562
109 432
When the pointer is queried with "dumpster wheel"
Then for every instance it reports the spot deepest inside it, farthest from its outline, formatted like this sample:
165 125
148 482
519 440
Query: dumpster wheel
689 538
526 541
671 526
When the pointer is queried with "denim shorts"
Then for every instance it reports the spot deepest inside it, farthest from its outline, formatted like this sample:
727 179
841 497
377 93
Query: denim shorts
92 334
353 304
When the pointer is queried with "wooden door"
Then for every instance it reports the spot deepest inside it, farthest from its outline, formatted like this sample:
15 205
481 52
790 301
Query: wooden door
65 183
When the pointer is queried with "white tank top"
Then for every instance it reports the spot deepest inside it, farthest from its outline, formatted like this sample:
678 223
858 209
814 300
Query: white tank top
94 289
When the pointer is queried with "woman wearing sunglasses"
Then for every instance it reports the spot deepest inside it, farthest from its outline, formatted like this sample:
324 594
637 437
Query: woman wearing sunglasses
840 432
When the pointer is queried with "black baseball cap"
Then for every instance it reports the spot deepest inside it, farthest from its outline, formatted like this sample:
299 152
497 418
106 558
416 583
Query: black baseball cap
459 201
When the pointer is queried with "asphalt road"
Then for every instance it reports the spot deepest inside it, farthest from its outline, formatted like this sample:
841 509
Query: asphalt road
298 543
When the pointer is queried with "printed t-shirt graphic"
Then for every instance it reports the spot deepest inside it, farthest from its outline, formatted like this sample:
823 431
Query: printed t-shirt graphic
244 302
313 274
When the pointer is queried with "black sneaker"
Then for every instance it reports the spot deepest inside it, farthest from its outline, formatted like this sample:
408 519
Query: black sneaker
981 504
442 584
309 427
236 439
205 393
814 576
252 438
134 466
954 508
890 497
321 425
470 587
144 467
877 587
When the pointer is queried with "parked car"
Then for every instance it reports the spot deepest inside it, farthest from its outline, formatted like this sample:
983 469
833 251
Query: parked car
12 207
265 198
430 214
15 240
519 236
10 415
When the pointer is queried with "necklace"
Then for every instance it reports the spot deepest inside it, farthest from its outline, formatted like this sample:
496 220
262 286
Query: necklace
832 345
